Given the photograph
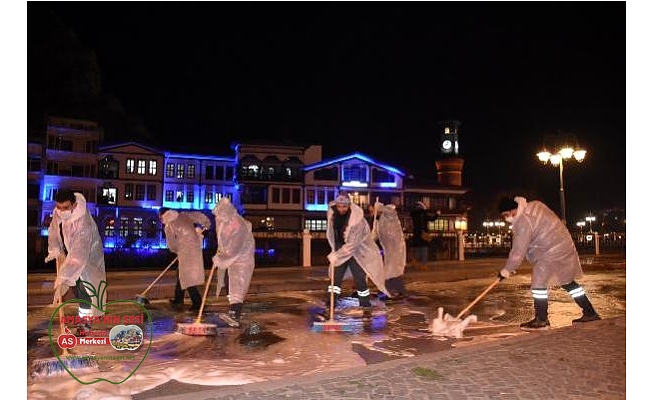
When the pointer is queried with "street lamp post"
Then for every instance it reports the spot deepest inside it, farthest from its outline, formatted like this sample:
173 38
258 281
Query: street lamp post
562 152
590 220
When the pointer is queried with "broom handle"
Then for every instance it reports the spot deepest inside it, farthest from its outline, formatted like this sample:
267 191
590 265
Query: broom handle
160 275
331 270
60 300
203 300
494 283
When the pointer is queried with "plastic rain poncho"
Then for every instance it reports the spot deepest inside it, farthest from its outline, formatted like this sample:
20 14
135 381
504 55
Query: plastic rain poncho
390 234
358 243
235 249
85 259
539 236
185 240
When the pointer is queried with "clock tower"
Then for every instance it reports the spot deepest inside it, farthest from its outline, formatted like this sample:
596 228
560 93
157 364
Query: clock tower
449 137
449 163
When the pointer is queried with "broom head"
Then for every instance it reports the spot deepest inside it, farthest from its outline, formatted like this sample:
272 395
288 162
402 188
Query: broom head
331 326
197 329
140 299
54 367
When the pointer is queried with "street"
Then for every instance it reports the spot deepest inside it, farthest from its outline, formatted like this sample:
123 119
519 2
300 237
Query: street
276 340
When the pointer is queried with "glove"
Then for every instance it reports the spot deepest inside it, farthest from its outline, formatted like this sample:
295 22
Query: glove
60 290
503 274
332 258
215 261
50 257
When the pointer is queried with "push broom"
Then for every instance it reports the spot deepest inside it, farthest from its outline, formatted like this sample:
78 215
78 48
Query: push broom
199 328
140 297
59 365
445 325
331 325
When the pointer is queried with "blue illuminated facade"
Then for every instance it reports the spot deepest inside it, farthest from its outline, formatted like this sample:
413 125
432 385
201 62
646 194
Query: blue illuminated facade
282 189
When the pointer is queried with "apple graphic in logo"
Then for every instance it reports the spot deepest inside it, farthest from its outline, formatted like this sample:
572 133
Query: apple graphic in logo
124 314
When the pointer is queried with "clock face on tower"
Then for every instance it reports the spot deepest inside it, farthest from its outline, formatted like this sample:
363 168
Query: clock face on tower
446 144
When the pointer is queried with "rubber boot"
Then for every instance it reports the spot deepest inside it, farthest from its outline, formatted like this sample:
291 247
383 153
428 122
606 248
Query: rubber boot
178 295
540 320
577 293
195 297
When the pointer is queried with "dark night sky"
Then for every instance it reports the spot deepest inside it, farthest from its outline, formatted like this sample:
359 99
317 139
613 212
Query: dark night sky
371 77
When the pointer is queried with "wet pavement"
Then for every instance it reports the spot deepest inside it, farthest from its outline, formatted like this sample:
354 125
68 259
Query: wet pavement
397 332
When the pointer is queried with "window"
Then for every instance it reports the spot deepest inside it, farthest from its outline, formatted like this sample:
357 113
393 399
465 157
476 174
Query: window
354 172
130 165
109 228
296 196
190 197
285 195
169 170
439 224
288 172
209 174
229 174
138 227
379 175
180 171
310 196
191 171
108 168
153 167
151 192
326 174
276 195
140 192
252 171
152 228
219 172
90 146
315 224
124 227
267 223
129 191
208 197
179 196
109 194
270 173
33 164
169 195
321 197
141 167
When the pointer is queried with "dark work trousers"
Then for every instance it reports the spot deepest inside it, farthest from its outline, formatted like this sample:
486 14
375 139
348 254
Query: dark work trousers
80 293
78 290
195 297
359 279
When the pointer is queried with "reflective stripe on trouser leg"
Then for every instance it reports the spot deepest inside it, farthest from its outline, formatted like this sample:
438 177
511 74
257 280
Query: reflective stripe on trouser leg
579 295
540 297
335 289
363 298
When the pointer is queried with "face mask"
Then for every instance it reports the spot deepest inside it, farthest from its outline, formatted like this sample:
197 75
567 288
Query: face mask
64 215
509 219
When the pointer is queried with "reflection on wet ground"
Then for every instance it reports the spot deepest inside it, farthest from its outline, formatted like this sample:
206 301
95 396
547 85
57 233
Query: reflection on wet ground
273 325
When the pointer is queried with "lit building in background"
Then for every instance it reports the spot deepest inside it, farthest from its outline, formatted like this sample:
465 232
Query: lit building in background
282 189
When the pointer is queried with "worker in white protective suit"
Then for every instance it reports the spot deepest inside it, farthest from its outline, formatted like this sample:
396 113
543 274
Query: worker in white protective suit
184 237
353 250
540 236
387 228
74 242
234 257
